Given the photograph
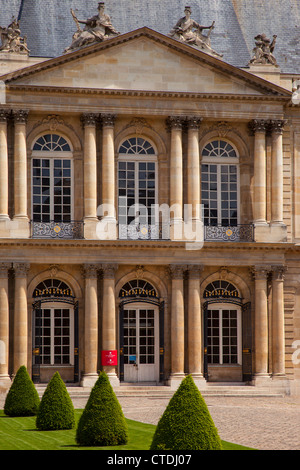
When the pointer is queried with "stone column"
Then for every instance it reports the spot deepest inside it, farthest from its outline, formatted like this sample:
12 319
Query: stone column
4 325
109 338
261 324
3 165
89 121
193 167
177 325
20 316
195 346
276 128
20 165
176 177
258 127
108 175
90 273
278 335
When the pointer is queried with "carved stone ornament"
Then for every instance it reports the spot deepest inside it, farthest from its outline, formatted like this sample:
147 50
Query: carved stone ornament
11 40
263 51
189 31
96 29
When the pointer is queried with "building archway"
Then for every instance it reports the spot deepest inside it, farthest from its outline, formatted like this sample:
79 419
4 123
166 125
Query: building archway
141 330
54 331
227 333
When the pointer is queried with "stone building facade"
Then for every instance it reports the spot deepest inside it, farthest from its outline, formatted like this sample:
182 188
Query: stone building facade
92 277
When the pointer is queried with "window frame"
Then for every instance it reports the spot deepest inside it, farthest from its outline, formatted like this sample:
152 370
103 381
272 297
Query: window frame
221 161
52 155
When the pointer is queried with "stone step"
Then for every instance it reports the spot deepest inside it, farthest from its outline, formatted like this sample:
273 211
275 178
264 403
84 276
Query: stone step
160 391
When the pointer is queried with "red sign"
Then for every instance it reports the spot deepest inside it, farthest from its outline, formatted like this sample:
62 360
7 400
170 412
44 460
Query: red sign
109 358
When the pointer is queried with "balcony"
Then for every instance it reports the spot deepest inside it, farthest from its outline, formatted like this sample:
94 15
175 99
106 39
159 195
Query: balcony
60 230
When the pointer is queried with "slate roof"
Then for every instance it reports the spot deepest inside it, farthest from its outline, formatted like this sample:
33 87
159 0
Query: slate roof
49 25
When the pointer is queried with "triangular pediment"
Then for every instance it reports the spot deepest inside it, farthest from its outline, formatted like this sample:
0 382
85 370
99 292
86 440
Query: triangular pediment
143 60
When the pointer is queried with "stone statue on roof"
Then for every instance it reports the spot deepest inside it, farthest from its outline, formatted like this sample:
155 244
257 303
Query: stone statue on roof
96 29
11 40
189 31
263 50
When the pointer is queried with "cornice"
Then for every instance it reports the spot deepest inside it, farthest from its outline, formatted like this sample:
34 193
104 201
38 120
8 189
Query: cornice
145 93
147 244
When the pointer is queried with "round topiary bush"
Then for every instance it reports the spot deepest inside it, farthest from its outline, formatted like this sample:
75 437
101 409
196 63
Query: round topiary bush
22 398
56 410
102 422
186 424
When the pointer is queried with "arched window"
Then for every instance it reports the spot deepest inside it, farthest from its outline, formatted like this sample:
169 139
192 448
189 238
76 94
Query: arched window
221 289
138 288
220 184
52 179
137 189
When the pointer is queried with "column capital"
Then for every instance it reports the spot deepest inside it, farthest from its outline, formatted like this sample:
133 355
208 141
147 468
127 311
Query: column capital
89 119
258 125
278 272
4 267
175 122
4 115
193 122
260 272
108 120
90 271
21 269
195 271
276 125
177 271
20 116
109 270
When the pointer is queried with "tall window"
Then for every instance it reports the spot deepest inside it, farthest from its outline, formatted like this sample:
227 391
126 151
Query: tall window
223 323
137 188
54 323
220 184
52 175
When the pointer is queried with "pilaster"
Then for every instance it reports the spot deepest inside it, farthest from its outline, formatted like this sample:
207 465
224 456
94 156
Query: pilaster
20 316
5 381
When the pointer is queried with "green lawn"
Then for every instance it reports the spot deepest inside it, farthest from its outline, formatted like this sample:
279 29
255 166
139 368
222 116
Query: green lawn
21 434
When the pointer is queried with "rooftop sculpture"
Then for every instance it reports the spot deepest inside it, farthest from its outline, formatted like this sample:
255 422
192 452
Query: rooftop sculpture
263 50
189 31
96 29
11 40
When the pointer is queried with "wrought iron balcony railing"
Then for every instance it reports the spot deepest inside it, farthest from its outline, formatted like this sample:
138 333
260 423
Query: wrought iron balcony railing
61 230
238 233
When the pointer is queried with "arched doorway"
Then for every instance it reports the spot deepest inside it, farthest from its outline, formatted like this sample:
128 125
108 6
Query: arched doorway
55 332
227 333
141 332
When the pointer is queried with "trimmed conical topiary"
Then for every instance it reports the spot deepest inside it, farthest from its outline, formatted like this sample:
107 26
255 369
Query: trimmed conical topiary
22 398
56 410
186 423
102 422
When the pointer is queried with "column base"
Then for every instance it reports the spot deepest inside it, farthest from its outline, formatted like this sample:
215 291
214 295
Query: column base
262 380
90 228
89 380
107 229
5 383
19 227
199 381
114 379
270 233
176 230
175 380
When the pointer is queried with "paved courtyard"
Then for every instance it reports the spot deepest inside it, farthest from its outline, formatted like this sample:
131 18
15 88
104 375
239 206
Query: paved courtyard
262 423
